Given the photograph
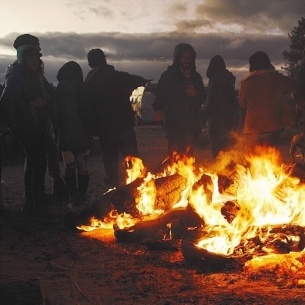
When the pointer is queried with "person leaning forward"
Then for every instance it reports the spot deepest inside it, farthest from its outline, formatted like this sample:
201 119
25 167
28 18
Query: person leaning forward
112 116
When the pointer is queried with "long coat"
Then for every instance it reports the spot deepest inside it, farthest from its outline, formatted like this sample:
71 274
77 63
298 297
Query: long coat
260 94
69 99
181 113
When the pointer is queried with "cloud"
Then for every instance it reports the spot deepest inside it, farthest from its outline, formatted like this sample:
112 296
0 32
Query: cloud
149 54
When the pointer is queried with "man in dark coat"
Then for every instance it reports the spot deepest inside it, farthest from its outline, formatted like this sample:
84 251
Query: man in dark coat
219 104
112 113
59 188
179 97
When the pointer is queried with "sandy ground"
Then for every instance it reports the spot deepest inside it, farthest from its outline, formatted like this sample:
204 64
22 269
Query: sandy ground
42 262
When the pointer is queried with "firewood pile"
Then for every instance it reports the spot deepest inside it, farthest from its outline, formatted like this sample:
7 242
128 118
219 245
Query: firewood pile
184 224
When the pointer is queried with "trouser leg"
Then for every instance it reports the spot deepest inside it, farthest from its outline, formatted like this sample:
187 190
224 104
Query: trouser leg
110 151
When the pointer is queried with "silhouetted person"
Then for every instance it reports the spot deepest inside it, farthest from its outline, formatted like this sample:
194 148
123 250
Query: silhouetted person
74 140
25 106
179 97
260 94
112 112
220 107
59 188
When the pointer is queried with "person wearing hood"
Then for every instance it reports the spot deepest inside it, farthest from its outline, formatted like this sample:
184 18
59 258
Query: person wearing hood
25 107
74 140
260 94
179 97
58 187
111 113
219 105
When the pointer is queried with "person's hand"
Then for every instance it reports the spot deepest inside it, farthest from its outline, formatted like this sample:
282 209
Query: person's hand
190 91
159 115
38 102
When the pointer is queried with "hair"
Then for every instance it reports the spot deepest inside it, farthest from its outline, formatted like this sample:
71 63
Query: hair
259 61
25 50
96 57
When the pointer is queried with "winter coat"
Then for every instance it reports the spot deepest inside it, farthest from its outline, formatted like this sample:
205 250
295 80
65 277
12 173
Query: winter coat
110 90
69 98
260 93
21 88
181 113
219 108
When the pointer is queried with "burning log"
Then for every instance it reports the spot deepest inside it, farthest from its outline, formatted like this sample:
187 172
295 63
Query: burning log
168 192
173 223
205 260
277 240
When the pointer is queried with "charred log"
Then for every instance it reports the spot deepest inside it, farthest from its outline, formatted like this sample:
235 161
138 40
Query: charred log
206 182
229 211
160 228
279 240
204 260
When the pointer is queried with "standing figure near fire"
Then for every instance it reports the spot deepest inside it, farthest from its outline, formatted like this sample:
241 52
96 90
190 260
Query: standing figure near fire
25 107
260 94
112 112
74 140
179 97
219 105
59 188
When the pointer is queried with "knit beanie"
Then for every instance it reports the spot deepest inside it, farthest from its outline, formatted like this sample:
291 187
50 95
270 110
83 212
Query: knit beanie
25 39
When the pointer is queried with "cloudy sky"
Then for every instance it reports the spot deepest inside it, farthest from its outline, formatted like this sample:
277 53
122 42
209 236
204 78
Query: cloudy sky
139 36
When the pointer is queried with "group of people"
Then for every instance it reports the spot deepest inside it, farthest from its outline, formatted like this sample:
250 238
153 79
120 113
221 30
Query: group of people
180 95
69 115
42 117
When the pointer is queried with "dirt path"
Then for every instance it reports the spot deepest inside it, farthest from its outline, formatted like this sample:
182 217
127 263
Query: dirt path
43 261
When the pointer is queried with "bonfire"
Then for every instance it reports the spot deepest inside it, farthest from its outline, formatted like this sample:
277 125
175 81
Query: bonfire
249 212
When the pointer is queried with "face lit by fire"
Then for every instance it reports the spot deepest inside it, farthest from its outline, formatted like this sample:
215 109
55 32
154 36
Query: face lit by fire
185 60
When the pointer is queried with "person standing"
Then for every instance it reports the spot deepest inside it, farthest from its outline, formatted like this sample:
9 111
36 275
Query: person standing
112 112
179 97
260 94
74 140
58 187
219 106
25 107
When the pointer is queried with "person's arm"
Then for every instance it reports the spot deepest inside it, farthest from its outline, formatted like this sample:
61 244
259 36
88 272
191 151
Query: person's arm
9 100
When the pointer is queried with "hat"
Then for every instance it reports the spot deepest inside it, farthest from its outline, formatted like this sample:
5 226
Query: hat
25 39
259 61
96 57
25 50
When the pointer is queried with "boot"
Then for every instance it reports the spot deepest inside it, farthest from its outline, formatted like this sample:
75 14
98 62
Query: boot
83 181
60 191
70 180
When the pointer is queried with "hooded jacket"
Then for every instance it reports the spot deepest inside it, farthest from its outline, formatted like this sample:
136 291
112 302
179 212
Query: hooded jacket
110 92
221 95
69 98
181 113
21 87
260 93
